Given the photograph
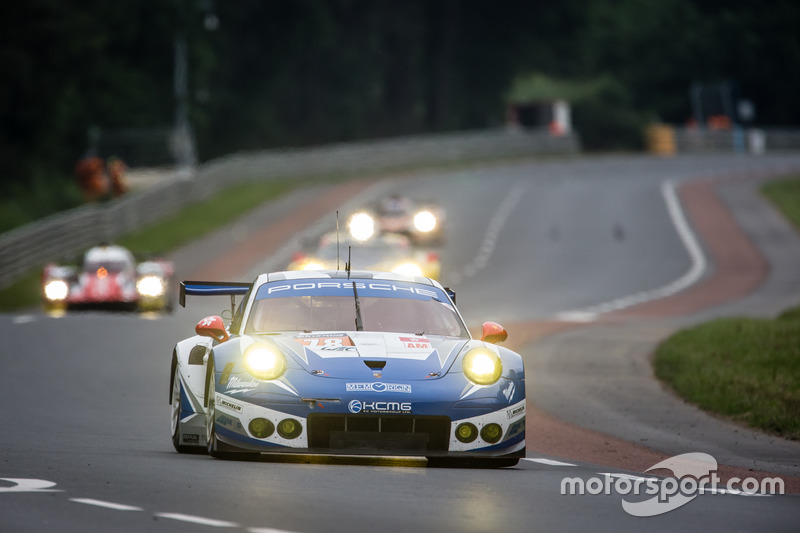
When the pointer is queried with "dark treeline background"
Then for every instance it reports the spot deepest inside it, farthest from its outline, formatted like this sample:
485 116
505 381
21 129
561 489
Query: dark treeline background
274 73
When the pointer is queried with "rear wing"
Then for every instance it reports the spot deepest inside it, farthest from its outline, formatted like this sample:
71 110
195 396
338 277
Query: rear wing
212 288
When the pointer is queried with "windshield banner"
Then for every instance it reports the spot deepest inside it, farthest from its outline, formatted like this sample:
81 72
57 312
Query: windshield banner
373 289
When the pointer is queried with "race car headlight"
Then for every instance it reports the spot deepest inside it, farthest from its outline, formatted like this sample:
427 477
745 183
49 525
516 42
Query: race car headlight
151 286
361 226
313 265
409 269
56 289
425 221
482 366
264 362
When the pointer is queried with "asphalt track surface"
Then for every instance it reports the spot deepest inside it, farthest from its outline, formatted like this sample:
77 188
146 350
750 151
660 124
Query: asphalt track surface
539 246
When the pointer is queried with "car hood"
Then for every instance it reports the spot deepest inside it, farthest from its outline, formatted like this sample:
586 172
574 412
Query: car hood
372 355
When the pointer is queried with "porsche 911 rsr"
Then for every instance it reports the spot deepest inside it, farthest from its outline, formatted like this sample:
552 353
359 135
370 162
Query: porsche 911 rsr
338 362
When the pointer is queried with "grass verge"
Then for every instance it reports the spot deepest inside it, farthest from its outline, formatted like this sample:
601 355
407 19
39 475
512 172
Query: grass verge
743 368
190 223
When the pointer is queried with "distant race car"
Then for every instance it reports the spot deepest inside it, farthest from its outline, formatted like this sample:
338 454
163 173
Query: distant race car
109 277
421 222
389 253
339 362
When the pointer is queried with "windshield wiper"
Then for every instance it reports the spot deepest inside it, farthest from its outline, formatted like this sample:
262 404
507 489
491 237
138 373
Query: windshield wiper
359 322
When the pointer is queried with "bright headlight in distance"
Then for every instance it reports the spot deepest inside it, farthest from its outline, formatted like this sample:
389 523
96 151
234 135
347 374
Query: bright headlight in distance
482 366
361 226
425 221
409 269
313 265
264 362
151 286
56 289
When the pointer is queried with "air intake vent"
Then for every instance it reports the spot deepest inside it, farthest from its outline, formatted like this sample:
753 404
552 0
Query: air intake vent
375 365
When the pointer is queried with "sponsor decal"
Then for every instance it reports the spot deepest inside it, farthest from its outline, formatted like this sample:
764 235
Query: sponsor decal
355 406
225 420
395 408
332 344
515 412
378 386
236 382
509 391
229 404
334 288
207 321
515 429
419 343
191 438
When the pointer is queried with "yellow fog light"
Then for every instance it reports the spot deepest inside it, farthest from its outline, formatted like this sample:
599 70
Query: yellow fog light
150 286
261 428
264 362
482 366
425 221
491 433
289 428
361 226
466 432
56 290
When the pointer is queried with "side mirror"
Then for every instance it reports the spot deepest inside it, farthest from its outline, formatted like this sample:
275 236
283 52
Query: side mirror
493 333
214 327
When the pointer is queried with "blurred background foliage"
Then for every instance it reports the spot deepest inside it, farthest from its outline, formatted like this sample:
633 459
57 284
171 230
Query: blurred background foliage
280 73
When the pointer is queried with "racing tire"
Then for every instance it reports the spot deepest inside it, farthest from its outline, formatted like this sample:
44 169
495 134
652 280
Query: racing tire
211 413
175 408
212 443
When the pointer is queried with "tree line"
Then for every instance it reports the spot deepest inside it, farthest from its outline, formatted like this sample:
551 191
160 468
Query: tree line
279 73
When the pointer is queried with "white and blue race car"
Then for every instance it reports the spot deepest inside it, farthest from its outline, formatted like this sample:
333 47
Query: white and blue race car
353 363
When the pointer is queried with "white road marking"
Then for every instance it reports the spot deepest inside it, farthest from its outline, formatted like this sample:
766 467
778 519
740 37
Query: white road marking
197 520
106 505
496 225
627 476
695 272
23 319
267 530
546 461
28 485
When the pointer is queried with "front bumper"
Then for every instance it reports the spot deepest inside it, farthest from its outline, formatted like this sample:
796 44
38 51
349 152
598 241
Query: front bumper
386 430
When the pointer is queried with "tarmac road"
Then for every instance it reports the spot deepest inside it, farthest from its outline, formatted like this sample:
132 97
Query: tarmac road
85 441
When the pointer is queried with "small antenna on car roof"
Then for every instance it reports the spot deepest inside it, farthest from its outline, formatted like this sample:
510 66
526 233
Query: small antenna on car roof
337 239
347 265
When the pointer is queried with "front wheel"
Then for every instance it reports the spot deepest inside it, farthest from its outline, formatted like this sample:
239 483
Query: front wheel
211 414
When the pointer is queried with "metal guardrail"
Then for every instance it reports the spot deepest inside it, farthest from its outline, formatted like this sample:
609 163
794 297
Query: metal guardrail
68 233
752 140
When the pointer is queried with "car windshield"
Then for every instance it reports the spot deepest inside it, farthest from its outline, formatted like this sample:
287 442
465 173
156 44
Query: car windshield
112 267
383 311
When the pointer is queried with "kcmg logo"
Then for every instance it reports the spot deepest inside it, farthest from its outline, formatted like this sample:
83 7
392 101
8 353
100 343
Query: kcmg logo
355 406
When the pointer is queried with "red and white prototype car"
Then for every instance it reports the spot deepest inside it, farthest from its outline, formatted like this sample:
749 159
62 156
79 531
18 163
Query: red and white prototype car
109 277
